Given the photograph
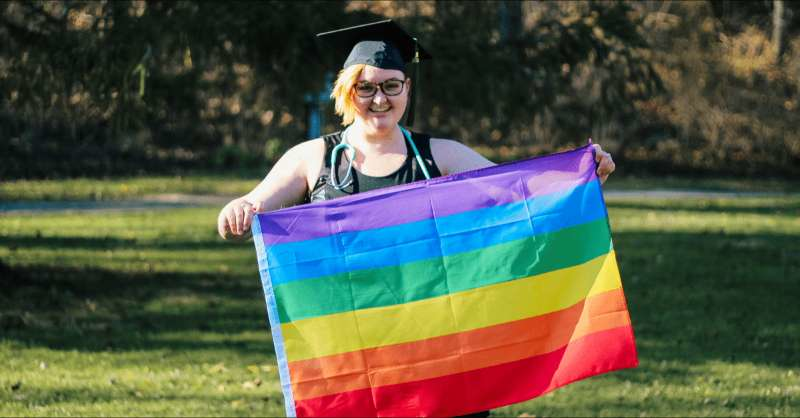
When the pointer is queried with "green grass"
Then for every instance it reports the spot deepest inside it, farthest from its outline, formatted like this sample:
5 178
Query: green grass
131 314
151 314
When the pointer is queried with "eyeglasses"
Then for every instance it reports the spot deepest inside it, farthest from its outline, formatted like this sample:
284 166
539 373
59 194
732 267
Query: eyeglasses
390 87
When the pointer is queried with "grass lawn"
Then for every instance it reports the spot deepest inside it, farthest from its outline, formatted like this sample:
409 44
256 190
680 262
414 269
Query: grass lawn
149 313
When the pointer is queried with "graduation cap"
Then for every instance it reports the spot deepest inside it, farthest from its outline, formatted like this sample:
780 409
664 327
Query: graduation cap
382 44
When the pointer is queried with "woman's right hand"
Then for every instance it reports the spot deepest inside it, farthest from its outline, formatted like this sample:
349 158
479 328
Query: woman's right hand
286 184
235 218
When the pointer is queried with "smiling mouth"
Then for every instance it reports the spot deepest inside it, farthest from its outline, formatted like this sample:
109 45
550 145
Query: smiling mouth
380 109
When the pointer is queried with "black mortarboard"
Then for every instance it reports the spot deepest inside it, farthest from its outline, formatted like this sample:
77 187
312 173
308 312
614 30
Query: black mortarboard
381 44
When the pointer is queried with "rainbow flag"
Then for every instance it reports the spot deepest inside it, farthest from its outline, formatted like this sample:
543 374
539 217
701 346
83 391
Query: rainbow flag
447 296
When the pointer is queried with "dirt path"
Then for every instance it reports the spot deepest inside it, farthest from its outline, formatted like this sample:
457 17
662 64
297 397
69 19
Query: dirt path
161 201
172 201
683 194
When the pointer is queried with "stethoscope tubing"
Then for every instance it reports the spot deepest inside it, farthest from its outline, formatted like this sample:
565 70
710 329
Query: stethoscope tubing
348 178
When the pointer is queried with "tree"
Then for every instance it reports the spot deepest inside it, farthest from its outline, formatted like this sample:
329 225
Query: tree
778 29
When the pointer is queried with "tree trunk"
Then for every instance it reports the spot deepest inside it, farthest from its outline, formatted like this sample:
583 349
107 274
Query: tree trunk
778 29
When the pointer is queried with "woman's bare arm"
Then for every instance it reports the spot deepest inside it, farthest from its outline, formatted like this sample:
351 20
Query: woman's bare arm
454 157
285 185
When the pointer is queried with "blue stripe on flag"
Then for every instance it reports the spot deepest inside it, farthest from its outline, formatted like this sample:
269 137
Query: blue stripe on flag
434 237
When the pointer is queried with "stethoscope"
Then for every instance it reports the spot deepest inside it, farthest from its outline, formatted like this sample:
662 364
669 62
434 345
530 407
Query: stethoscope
344 145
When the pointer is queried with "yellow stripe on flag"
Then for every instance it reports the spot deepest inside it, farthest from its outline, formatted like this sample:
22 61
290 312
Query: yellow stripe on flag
459 312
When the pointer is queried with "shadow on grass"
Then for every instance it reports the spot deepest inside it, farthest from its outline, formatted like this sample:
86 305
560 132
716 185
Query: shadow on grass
693 298
712 296
109 243
93 309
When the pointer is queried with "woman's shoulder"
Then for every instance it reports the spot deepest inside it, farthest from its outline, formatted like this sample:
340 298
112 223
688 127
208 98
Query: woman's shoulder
320 141
304 155
449 146
452 156
323 143
446 142
309 145
435 141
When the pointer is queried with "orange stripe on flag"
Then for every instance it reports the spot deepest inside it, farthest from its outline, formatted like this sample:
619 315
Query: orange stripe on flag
456 353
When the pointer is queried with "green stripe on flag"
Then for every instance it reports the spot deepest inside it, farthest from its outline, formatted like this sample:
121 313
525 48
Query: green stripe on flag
425 279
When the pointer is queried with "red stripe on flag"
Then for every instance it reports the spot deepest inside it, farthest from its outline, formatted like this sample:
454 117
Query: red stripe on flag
485 388
479 348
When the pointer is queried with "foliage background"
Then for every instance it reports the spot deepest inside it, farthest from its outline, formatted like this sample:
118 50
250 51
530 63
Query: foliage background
669 87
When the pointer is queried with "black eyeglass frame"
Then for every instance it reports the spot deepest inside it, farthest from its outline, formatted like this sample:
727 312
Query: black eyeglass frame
377 86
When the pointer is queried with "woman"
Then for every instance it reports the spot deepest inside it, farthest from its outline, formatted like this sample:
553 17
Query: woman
373 151
371 95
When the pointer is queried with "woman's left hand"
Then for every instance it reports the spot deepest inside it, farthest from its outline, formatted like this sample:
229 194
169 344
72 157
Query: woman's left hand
605 165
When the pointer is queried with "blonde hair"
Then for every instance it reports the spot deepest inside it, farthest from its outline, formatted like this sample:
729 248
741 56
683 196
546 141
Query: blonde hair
343 92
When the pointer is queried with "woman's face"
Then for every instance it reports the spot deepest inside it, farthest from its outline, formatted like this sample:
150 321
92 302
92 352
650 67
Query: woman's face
380 113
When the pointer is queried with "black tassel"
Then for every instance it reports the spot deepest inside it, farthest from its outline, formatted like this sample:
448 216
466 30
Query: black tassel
414 80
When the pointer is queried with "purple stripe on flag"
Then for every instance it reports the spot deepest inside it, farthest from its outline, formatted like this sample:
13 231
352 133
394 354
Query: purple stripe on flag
442 196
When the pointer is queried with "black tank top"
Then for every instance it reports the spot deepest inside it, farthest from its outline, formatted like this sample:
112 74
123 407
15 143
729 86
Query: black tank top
407 173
